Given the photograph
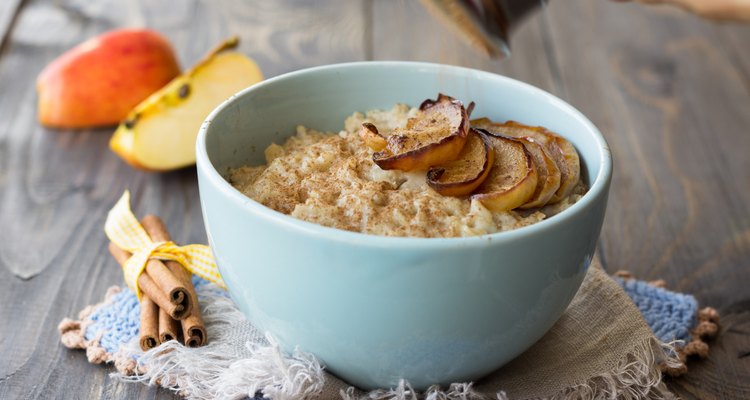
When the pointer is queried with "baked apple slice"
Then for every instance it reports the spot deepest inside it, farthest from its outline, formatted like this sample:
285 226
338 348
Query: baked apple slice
572 163
436 136
548 179
373 139
513 177
560 149
461 176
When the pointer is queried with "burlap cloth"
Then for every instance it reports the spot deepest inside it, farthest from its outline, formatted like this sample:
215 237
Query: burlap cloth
600 348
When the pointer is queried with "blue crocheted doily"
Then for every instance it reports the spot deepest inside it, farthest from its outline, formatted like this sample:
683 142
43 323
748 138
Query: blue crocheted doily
118 321
670 315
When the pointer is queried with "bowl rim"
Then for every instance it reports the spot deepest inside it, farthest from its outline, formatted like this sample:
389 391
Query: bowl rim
599 187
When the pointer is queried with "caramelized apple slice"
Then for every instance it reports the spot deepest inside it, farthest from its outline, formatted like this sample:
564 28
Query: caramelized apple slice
512 180
461 176
572 163
559 148
373 139
434 137
548 180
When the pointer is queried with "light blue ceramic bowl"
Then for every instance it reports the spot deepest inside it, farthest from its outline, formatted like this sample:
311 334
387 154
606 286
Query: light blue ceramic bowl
376 309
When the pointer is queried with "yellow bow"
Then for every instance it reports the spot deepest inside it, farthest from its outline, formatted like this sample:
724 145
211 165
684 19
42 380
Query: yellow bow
124 230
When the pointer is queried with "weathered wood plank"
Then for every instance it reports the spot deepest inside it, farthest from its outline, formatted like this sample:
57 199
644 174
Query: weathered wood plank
732 38
284 36
673 106
404 30
56 186
9 10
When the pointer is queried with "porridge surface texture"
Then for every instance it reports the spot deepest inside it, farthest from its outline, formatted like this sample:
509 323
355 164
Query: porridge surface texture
331 180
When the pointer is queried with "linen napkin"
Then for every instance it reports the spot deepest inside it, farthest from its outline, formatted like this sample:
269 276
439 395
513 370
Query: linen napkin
602 347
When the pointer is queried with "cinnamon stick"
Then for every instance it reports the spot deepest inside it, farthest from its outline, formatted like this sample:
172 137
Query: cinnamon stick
148 337
169 328
150 288
168 283
193 328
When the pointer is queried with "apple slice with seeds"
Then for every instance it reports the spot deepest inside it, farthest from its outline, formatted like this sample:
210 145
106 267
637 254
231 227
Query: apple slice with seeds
436 136
513 178
560 149
159 134
461 176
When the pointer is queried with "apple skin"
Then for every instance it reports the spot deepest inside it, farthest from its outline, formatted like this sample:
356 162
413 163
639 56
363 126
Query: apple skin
99 81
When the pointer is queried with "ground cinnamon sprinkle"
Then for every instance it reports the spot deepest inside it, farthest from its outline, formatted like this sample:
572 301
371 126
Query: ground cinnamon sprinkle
330 179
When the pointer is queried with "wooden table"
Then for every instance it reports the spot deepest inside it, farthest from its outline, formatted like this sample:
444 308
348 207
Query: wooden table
670 92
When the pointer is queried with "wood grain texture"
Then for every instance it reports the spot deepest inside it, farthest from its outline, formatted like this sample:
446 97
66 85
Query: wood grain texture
9 11
670 92
56 186
403 30
670 99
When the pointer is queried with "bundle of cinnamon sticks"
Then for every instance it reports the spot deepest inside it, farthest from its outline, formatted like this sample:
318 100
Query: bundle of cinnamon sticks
169 305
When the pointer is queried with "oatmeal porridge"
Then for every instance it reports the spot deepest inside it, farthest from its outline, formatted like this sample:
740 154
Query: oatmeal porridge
331 179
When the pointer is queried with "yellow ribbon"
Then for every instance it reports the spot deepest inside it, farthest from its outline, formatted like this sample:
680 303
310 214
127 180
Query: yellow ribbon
124 230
